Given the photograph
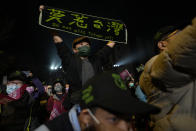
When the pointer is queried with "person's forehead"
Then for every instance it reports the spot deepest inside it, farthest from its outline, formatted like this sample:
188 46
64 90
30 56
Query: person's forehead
15 81
106 113
58 83
172 34
82 42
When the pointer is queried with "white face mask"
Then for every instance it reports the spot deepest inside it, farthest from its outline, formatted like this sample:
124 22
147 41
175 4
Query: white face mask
131 85
11 88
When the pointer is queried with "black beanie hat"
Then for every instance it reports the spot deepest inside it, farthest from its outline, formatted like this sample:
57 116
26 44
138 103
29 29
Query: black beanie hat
17 75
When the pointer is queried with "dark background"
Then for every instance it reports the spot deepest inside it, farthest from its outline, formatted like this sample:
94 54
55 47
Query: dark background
24 44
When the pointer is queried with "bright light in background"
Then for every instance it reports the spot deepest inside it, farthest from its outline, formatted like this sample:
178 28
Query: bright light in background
55 67
116 65
55 61
52 68
129 59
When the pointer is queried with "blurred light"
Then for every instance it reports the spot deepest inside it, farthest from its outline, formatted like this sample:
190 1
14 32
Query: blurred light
52 67
130 58
55 67
116 65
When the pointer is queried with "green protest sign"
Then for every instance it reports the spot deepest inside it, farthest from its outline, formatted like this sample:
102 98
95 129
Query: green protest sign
82 24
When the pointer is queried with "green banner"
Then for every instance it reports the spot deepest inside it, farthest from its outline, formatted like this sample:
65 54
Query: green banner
82 24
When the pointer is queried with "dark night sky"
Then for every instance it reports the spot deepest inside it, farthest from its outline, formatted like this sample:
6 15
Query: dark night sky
31 45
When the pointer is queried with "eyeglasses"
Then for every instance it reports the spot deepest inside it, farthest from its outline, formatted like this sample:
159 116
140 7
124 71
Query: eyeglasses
170 35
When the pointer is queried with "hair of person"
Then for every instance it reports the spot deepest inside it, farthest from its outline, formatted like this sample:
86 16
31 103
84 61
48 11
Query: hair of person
61 82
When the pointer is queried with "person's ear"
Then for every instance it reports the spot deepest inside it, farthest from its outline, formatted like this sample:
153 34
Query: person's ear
85 119
75 50
162 45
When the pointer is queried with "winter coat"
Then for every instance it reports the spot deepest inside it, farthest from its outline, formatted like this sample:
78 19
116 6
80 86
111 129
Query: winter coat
60 123
14 114
169 81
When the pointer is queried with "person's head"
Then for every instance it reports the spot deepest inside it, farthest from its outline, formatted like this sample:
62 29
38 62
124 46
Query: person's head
127 78
106 104
163 36
58 87
48 90
15 82
81 46
30 89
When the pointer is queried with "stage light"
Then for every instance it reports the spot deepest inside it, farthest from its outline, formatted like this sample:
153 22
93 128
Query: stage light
116 65
52 67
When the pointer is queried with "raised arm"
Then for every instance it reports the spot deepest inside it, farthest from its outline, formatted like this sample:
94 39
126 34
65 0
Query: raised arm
103 54
175 66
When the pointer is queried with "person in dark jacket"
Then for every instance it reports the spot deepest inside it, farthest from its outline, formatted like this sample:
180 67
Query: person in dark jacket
15 103
80 66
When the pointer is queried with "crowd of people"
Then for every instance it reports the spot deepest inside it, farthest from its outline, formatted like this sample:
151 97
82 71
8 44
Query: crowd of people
160 98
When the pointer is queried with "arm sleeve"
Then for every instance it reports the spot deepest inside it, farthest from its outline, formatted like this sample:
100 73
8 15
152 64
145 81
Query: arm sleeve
65 54
39 86
176 66
103 54
182 49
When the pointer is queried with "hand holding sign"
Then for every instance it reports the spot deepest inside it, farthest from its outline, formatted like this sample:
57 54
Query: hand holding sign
41 7
57 39
82 24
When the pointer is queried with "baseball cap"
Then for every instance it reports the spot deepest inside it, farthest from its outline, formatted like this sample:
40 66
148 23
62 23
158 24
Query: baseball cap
80 39
162 34
107 90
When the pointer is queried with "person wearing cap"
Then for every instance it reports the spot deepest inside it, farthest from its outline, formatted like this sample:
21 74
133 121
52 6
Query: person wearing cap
16 103
168 79
81 64
105 105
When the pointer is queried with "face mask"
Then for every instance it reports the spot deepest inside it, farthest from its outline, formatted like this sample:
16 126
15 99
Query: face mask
30 89
58 88
14 91
84 51
11 88
131 85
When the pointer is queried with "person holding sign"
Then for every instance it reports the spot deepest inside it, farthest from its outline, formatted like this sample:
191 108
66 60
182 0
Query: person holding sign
80 66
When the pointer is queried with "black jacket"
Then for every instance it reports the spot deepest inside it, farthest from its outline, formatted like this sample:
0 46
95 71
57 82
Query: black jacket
15 113
72 64
60 123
